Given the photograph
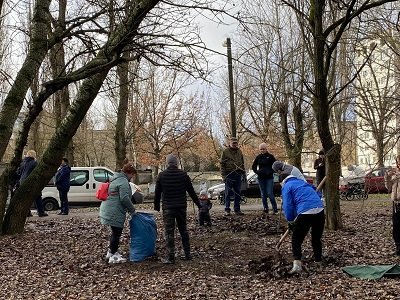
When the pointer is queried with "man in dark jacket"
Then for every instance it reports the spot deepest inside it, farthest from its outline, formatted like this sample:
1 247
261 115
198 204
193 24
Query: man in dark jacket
63 185
262 166
171 186
232 172
319 165
25 169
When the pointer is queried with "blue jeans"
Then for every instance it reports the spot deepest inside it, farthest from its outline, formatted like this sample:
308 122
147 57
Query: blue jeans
233 182
267 190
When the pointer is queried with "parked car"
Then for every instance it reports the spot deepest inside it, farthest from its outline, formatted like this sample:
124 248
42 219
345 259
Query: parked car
84 183
375 182
252 189
372 183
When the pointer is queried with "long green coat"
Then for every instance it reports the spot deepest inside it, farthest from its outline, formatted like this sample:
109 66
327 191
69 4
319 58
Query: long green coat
113 210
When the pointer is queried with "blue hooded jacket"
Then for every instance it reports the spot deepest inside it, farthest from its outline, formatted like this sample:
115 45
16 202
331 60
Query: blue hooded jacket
299 196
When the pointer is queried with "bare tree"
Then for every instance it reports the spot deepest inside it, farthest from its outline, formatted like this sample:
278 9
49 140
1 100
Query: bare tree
377 108
275 66
170 120
46 167
326 30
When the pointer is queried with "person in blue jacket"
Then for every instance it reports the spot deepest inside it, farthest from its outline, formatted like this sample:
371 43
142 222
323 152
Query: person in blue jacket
303 210
63 185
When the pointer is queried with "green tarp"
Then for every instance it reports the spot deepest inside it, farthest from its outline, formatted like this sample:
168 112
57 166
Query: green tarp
372 271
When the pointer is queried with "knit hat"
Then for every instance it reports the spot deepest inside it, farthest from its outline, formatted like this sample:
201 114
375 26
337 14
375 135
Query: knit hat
171 160
277 166
321 152
203 192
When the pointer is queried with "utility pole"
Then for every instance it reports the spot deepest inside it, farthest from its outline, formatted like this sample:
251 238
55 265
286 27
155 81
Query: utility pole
231 96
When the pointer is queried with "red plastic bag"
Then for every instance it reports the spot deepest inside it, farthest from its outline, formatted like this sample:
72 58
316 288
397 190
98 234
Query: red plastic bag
102 192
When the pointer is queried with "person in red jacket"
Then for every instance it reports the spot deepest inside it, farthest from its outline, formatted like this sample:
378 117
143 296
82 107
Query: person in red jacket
171 187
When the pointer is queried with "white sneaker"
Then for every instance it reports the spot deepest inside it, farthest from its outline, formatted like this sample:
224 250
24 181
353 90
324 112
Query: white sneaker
116 259
296 267
108 255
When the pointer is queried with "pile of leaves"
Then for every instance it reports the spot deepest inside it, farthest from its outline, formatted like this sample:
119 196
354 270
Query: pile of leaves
235 258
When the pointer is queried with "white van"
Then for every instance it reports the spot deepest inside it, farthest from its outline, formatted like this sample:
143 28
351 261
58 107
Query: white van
85 181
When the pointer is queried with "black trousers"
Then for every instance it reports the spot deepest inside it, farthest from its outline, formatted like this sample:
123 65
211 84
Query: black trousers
116 233
204 217
170 216
396 226
302 226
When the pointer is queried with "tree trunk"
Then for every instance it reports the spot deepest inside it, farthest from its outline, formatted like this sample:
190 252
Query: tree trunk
321 111
57 62
37 52
33 185
293 149
3 193
13 102
333 215
120 138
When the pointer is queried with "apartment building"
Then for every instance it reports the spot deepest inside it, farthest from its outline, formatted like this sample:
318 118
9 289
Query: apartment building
377 104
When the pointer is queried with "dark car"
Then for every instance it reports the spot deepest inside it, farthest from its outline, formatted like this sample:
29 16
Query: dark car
251 189
375 182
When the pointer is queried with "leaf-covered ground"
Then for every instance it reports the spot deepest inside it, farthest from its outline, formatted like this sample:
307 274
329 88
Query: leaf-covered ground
63 258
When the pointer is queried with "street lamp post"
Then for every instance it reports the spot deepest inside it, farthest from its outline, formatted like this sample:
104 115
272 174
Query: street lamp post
231 96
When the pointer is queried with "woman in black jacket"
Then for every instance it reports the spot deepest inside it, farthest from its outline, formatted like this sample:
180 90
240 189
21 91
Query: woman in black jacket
262 166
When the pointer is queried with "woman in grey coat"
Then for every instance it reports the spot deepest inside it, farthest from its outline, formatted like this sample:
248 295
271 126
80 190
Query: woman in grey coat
113 210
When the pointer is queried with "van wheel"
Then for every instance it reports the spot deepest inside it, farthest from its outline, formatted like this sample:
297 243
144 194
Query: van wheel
50 204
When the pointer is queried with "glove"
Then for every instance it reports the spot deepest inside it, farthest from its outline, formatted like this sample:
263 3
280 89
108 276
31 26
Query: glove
291 225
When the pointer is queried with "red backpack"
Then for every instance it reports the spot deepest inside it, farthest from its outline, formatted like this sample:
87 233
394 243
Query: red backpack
102 192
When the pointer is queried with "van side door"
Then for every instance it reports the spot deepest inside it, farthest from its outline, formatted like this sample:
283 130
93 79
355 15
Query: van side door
80 188
100 175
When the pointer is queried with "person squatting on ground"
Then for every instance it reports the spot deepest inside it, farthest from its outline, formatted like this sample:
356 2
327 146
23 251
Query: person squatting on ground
113 210
25 169
262 166
286 169
171 187
303 210
392 183
63 185
319 166
204 210
232 172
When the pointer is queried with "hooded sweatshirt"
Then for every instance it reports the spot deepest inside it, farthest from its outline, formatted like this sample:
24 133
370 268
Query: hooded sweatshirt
299 197
287 169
